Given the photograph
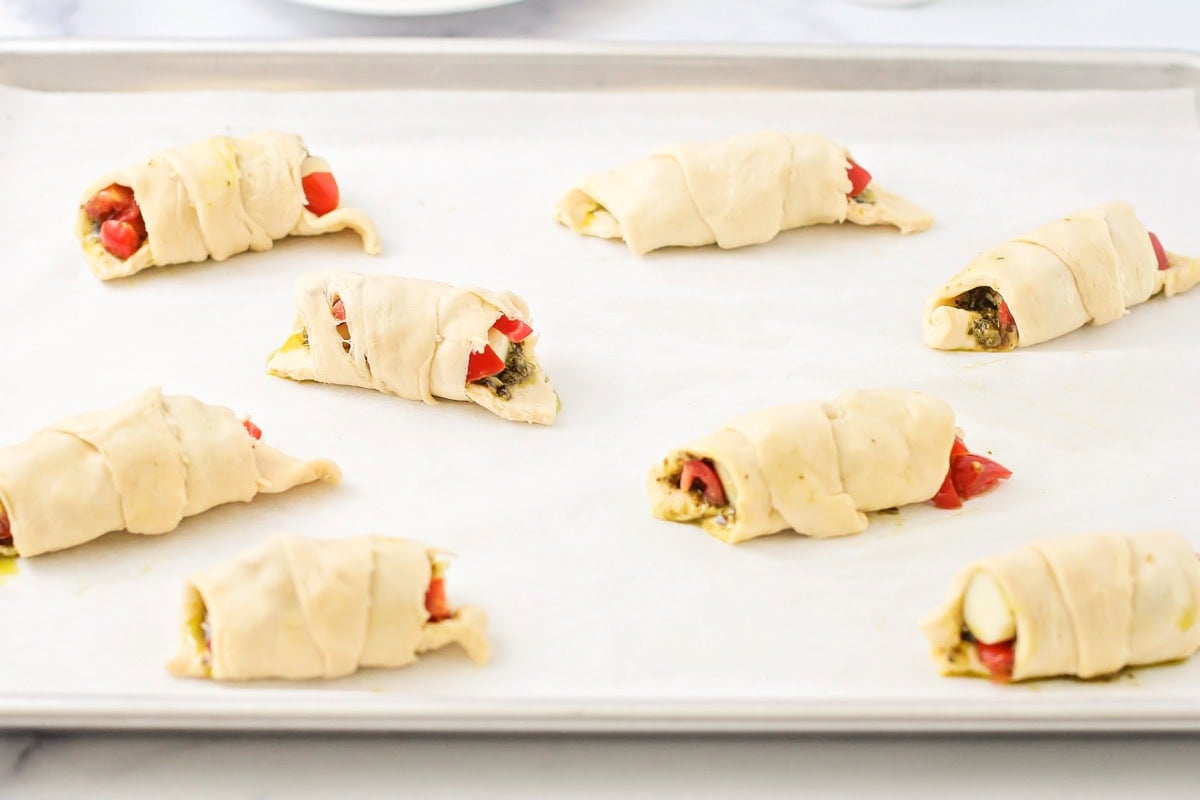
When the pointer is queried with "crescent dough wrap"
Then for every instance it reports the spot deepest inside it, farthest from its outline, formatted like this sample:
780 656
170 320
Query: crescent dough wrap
814 467
214 199
1089 267
1083 605
409 337
303 608
735 192
141 467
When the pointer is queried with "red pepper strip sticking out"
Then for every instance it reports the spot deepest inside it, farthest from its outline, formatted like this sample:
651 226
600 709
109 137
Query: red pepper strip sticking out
514 329
119 238
339 310
959 448
1004 317
435 601
969 476
998 659
108 202
321 192
122 229
700 472
5 530
1159 252
973 475
484 364
252 429
859 178
133 217
947 496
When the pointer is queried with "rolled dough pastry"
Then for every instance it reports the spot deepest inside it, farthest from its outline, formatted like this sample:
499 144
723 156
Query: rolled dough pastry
304 608
1083 605
814 468
1089 267
215 199
141 467
735 192
413 338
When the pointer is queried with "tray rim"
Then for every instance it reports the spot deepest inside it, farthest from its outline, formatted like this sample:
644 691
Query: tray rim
1180 65
567 47
1003 713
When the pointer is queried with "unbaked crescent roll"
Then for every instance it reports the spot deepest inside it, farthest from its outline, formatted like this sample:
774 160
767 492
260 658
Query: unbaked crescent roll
817 468
1089 267
212 199
419 340
735 192
141 466
1079 605
304 608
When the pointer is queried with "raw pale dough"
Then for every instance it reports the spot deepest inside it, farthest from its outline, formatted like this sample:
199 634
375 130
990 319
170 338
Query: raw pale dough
814 467
1088 267
738 191
215 199
1084 606
411 338
304 608
141 466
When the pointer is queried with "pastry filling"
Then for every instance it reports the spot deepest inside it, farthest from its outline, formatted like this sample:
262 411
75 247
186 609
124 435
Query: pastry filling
201 633
698 478
338 309
517 371
436 604
116 220
969 475
860 180
992 325
6 540
321 193
989 626
502 375
1160 254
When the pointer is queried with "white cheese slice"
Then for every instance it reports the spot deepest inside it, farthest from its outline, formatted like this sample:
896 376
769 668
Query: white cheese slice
985 611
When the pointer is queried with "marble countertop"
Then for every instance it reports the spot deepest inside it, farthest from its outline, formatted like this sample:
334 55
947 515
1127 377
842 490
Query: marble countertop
131 766
339 766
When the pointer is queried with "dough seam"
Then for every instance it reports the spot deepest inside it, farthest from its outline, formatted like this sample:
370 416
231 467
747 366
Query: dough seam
1074 266
1056 587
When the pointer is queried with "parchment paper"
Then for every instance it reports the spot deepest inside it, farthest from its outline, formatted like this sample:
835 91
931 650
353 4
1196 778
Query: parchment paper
593 601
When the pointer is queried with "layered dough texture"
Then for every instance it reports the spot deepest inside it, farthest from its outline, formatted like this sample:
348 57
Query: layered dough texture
735 192
1089 267
214 199
412 338
814 468
1083 606
141 467
300 608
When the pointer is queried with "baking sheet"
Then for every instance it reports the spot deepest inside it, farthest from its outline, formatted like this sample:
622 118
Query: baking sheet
601 615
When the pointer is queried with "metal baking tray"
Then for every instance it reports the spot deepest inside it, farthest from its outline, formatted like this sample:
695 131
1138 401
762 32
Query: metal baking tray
445 695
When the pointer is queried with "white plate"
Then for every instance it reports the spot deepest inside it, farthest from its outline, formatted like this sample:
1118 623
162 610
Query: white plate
403 8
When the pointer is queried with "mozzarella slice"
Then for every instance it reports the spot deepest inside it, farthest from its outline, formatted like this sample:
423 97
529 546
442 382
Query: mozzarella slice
986 612
499 343
313 164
